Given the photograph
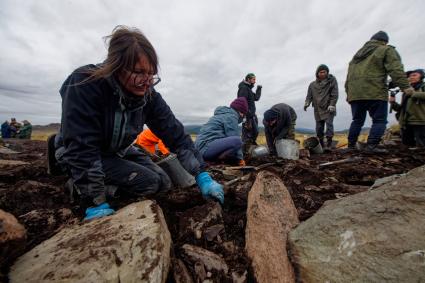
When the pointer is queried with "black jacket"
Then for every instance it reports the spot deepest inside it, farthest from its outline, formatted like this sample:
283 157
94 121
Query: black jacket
285 121
97 121
245 90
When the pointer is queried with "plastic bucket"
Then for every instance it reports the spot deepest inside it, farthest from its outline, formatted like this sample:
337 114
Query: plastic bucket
288 149
313 145
259 151
178 175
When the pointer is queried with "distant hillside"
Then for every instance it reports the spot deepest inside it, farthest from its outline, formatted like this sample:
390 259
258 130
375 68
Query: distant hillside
194 129
54 127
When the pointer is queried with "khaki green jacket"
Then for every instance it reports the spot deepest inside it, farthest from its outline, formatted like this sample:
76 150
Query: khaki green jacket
25 132
411 111
368 71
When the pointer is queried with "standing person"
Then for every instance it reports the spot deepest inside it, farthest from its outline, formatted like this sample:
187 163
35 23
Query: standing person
150 142
279 123
219 138
411 111
367 90
118 97
25 131
250 126
14 127
5 130
323 93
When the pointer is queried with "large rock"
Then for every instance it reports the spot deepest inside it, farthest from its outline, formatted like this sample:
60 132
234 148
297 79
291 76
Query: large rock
271 215
131 246
12 237
373 236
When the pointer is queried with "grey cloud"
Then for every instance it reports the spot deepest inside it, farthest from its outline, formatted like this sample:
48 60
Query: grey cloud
205 48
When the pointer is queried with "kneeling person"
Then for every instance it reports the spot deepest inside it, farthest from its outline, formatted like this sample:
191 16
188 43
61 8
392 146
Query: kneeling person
219 138
118 97
279 123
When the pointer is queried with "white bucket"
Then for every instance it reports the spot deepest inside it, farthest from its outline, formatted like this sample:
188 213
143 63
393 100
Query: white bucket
288 149
259 151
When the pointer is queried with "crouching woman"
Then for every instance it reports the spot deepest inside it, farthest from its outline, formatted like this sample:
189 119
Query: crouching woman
104 108
219 139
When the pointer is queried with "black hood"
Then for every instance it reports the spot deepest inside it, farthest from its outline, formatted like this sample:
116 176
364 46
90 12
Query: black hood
243 84
321 68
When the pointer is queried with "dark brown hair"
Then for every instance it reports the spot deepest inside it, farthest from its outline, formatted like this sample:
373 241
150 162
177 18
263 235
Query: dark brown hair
126 45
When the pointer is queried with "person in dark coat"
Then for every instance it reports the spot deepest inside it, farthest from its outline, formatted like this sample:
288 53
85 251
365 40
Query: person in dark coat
219 139
411 111
279 123
323 93
14 127
5 130
104 108
250 126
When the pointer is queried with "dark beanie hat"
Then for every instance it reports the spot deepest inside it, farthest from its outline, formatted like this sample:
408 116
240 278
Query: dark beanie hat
270 115
419 71
240 104
249 76
322 67
381 36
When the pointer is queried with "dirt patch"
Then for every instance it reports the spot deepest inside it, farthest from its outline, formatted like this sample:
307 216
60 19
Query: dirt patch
41 204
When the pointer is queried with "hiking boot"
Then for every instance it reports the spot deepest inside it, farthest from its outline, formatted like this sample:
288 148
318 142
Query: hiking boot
322 143
373 148
352 146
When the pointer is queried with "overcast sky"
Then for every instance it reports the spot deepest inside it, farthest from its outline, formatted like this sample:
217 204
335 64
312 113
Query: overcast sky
205 48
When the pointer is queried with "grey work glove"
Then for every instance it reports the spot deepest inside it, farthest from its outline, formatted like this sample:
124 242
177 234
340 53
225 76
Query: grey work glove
331 109
409 91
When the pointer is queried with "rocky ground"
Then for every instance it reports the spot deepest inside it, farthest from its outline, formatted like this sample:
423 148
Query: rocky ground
40 203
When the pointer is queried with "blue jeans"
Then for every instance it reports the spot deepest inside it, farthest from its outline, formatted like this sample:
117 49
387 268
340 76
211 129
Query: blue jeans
224 148
378 111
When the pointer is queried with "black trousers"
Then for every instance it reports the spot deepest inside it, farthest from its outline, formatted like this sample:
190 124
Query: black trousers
250 130
413 135
320 127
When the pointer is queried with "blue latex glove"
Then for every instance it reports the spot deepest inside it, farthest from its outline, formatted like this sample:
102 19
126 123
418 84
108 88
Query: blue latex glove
98 211
209 187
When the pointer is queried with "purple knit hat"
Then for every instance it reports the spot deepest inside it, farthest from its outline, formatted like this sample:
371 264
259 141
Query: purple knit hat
240 104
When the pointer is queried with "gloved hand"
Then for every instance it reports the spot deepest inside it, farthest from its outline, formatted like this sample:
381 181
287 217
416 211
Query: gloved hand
98 211
331 109
409 91
209 187
306 105
259 86
242 162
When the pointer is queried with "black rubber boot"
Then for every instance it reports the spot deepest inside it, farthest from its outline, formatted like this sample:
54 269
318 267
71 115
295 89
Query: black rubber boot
322 143
329 142
373 148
